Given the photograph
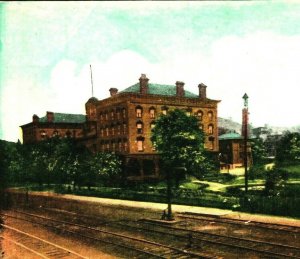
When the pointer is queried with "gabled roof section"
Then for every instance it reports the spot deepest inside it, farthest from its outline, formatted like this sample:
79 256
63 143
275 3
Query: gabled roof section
65 118
158 89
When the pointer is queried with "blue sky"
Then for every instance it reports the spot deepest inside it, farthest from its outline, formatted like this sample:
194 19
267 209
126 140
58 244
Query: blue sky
232 47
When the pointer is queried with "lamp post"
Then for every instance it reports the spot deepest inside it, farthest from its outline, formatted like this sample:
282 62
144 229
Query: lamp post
245 133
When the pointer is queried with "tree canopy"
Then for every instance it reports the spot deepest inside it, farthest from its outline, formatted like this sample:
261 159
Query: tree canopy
178 139
288 148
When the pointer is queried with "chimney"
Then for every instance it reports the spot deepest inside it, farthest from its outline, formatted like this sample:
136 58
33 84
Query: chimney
113 91
180 89
202 91
143 84
50 116
35 118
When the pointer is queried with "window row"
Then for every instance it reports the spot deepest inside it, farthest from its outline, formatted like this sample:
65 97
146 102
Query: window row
56 133
210 128
112 114
164 110
113 130
114 145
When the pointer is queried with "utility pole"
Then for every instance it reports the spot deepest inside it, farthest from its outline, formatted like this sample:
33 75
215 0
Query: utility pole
245 133
92 81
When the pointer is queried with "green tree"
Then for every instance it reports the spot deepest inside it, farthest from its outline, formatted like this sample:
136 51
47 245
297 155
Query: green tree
288 148
179 142
275 181
258 151
104 168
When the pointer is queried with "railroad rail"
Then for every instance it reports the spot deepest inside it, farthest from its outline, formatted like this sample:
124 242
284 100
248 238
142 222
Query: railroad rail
239 222
141 247
38 246
271 249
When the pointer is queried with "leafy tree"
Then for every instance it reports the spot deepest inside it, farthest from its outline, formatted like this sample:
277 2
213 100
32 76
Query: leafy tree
288 148
179 142
104 168
258 151
275 181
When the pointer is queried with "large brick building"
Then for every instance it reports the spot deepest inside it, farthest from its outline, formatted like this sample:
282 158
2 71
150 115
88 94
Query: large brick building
124 120
122 123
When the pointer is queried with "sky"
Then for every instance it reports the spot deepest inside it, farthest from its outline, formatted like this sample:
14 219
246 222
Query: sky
46 49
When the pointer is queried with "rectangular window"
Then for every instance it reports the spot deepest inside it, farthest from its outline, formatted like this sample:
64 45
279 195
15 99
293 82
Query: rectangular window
139 113
139 127
140 145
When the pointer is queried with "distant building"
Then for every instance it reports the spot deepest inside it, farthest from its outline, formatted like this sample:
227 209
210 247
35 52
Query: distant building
232 150
58 124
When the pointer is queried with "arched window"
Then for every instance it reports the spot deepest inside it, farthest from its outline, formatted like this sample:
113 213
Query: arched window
119 129
199 114
152 112
139 127
113 145
124 113
139 111
210 129
125 144
112 129
124 128
55 133
164 110
210 115
120 144
101 116
118 113
44 134
107 146
107 131
112 114
188 111
102 132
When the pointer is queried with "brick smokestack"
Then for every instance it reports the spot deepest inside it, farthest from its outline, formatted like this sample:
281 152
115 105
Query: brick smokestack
50 116
180 89
113 91
202 91
143 84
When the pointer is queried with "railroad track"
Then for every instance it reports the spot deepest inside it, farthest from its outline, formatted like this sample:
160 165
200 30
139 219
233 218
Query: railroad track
240 222
37 246
138 247
263 248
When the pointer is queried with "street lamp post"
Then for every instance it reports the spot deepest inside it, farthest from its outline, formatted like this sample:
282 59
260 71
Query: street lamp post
245 133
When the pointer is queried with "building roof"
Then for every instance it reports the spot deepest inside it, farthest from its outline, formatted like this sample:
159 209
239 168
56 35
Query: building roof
231 135
65 118
158 89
